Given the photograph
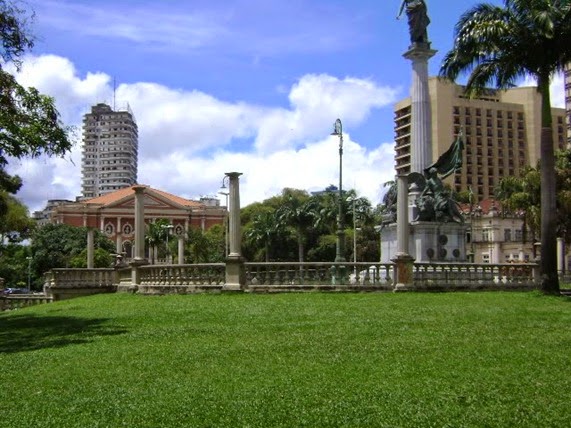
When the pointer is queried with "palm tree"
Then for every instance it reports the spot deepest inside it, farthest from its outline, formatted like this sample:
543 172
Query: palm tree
262 231
297 212
522 196
499 45
156 235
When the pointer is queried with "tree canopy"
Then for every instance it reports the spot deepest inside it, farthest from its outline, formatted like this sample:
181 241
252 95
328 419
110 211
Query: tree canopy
58 245
30 124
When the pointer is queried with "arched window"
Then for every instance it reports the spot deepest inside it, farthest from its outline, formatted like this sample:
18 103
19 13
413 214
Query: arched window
109 229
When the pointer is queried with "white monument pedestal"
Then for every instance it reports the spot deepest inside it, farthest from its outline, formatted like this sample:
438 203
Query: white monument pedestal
428 242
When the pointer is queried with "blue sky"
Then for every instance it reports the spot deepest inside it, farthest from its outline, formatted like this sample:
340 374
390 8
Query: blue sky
233 85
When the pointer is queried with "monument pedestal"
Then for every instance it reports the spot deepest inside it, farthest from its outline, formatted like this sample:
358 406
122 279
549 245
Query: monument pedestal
428 242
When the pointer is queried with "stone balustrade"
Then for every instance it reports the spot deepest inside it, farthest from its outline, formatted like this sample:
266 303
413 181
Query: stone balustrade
318 276
64 283
471 276
292 276
17 301
190 278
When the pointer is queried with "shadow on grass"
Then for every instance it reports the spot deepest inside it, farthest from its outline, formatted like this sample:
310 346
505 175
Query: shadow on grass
28 332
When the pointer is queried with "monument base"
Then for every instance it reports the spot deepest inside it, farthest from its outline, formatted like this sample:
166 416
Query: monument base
428 242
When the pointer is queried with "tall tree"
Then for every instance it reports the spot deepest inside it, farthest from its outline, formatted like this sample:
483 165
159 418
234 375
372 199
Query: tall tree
522 196
263 231
497 46
298 213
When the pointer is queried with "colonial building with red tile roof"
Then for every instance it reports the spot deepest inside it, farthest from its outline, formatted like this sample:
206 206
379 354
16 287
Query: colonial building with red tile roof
114 214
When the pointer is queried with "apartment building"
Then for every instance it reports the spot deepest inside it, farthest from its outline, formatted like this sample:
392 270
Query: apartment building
567 82
110 149
502 132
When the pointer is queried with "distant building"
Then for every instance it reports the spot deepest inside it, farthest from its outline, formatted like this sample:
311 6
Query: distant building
567 81
114 214
110 150
502 131
495 236
43 217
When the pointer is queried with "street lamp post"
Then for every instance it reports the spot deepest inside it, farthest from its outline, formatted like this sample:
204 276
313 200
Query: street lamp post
339 256
29 273
355 229
168 227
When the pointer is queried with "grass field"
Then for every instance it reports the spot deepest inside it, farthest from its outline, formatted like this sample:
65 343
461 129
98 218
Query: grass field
289 360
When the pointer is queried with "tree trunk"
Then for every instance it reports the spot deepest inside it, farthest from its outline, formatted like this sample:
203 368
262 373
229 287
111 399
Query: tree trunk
548 262
300 246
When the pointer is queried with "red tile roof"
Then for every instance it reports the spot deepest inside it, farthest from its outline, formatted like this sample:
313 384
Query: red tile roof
118 195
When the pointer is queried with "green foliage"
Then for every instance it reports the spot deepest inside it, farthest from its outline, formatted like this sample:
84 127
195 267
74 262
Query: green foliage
14 265
101 259
15 223
30 124
29 121
156 237
205 246
522 195
288 360
294 226
56 245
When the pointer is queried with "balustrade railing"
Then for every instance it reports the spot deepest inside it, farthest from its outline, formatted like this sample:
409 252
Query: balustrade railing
456 276
78 278
199 274
319 274
293 276
8 303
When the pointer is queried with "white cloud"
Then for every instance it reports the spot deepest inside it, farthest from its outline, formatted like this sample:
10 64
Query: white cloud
316 101
556 89
189 139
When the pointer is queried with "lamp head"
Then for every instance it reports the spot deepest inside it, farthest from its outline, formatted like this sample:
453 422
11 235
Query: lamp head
337 128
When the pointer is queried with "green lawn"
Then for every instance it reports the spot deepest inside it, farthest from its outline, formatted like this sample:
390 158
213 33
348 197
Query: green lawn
316 360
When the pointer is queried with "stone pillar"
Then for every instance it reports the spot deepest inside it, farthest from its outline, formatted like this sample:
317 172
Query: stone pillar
235 271
90 247
139 222
118 243
402 215
421 121
560 255
139 256
404 263
180 250
496 254
235 229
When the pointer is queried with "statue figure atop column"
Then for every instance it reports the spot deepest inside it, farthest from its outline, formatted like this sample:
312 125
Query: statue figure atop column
418 20
419 52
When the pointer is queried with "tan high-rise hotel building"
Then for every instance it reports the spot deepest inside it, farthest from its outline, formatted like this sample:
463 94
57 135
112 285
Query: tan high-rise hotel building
502 133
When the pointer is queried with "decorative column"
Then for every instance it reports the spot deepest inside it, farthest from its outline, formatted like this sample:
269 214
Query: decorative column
235 271
139 256
180 250
139 222
560 255
90 247
421 118
404 263
119 237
